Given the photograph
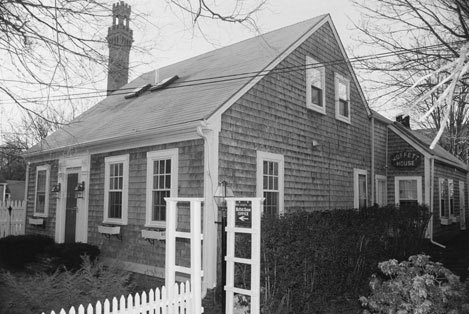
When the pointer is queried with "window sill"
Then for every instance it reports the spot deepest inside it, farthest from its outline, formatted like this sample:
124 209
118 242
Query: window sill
317 109
445 221
36 221
110 230
114 222
154 234
343 119
39 215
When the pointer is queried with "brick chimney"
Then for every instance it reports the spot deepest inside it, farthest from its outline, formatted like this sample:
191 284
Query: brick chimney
119 39
404 120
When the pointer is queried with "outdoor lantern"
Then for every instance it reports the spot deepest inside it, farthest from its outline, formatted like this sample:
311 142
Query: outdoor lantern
79 189
56 188
223 191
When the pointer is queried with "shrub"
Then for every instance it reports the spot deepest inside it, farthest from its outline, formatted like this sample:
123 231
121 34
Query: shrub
311 258
68 255
22 294
416 286
16 251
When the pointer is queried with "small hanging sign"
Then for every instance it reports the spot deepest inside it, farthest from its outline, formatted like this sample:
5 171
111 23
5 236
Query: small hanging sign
405 159
243 214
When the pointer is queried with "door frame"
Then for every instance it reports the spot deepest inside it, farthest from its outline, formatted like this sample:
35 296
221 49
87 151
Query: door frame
81 162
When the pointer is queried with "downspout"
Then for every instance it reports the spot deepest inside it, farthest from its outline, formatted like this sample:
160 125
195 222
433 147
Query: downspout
373 196
432 190
210 133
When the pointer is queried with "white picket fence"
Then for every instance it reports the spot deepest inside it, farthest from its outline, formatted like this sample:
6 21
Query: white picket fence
156 302
12 224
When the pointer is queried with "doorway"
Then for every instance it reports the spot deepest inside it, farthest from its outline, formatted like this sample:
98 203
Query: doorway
71 207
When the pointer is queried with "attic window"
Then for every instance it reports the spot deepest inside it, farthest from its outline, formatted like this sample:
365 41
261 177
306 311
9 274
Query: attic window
138 91
164 83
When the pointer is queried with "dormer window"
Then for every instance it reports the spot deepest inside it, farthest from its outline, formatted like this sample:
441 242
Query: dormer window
342 98
315 85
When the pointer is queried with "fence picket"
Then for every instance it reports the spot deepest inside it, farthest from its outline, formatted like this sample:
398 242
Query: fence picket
12 224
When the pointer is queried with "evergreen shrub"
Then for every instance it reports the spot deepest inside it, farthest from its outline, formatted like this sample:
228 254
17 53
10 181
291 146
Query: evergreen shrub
17 251
312 258
69 255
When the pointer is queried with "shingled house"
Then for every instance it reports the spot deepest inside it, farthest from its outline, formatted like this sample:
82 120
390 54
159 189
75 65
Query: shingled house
279 116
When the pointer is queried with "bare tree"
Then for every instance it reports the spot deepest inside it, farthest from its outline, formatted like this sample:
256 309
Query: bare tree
419 46
52 49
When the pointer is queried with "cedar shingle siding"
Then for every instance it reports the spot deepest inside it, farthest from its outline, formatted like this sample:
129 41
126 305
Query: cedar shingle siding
273 117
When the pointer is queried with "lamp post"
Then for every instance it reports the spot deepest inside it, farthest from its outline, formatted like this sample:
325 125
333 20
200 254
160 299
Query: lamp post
223 191
9 221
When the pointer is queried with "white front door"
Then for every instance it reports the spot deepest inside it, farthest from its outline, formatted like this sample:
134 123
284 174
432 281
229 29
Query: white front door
72 207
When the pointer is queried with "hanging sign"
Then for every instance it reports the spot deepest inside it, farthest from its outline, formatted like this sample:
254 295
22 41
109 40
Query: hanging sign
243 214
405 159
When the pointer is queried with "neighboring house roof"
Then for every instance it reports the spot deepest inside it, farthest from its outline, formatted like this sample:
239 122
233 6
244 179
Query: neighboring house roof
210 83
423 142
16 189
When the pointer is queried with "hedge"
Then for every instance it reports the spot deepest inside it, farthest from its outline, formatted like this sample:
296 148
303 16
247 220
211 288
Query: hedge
311 258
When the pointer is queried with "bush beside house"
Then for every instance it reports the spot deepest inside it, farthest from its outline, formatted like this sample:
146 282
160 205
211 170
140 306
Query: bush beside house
310 259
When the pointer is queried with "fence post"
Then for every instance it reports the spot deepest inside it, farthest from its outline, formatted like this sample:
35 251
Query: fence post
196 256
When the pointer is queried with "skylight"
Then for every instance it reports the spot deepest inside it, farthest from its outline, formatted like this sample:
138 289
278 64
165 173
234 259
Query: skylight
164 83
138 91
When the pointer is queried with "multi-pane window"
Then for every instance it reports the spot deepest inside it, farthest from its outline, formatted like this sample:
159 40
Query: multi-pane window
451 197
342 98
381 190
315 85
41 200
161 183
443 193
270 187
408 190
270 173
360 188
116 189
116 185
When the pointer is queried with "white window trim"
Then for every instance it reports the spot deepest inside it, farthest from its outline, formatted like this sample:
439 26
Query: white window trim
47 191
339 78
378 178
265 156
356 194
172 154
396 187
125 189
309 62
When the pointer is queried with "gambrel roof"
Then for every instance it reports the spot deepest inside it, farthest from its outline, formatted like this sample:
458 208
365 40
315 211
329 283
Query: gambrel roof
207 84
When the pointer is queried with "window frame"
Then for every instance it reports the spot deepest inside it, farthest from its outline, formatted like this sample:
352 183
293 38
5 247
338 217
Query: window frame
405 178
108 161
45 168
381 178
342 79
322 70
266 156
153 156
356 187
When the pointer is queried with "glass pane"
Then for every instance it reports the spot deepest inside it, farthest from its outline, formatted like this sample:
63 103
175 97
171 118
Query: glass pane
168 166
315 76
41 180
40 202
115 205
343 107
316 96
342 91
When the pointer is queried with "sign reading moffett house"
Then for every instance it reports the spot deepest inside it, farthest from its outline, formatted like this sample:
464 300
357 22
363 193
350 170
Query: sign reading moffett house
243 214
405 159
